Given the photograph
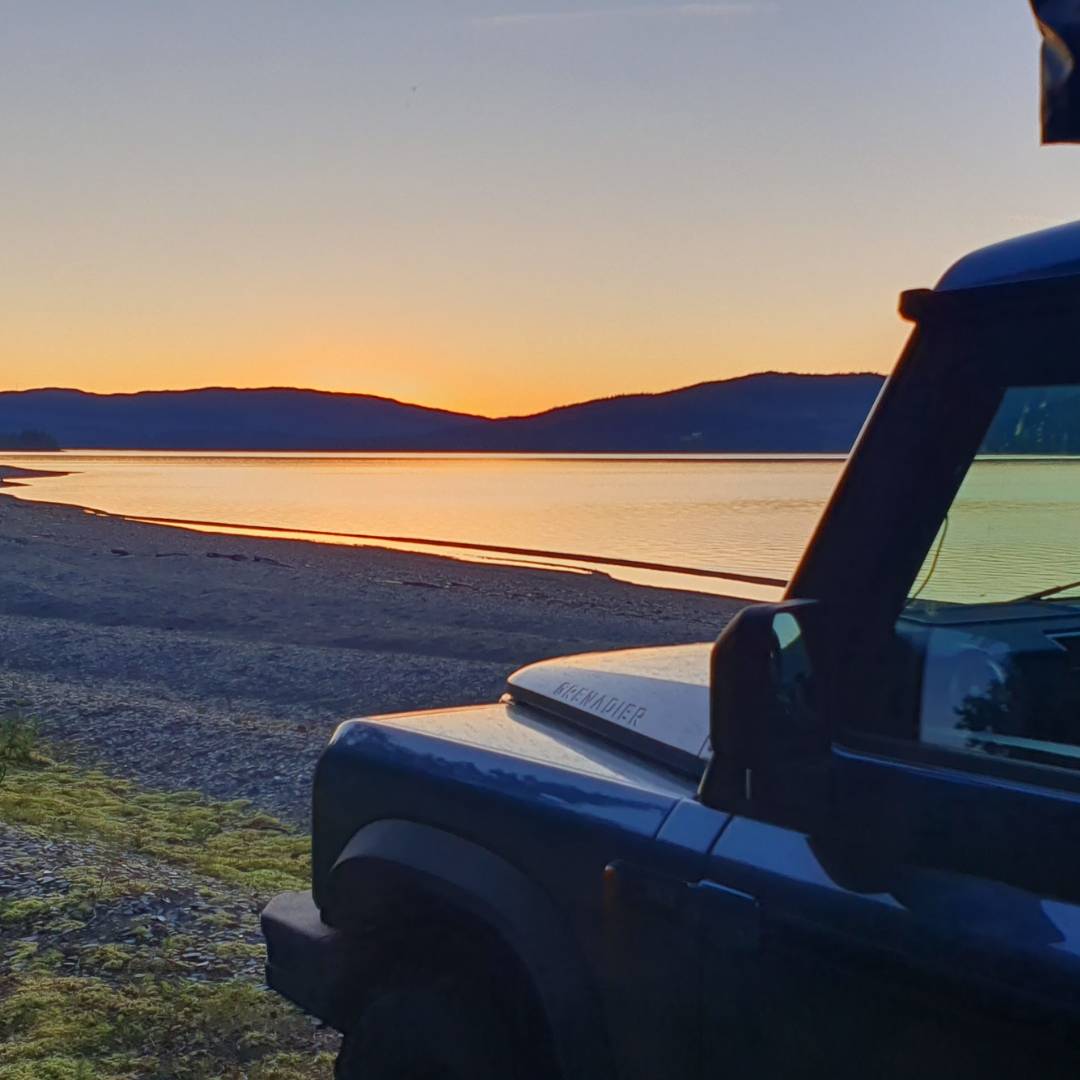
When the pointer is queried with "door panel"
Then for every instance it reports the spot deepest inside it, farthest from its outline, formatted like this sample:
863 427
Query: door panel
869 966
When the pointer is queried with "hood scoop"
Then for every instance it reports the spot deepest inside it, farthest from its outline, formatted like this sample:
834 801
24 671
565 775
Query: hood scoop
654 701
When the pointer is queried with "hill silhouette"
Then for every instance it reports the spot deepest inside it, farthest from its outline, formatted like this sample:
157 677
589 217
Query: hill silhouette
755 413
769 412
219 418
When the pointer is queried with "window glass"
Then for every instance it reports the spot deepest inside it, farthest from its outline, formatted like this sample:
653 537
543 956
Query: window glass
991 631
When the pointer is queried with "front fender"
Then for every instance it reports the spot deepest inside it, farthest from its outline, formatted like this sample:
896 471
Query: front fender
388 859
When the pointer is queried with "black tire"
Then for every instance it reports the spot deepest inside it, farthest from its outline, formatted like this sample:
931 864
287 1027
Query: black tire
447 1028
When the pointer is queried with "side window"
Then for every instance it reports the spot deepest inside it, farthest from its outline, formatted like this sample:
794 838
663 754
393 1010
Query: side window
991 631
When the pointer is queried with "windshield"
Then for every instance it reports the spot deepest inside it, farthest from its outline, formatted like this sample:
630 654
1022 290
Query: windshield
1012 531
992 625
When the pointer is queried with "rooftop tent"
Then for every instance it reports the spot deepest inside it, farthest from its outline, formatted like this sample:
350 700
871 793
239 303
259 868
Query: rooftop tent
1059 22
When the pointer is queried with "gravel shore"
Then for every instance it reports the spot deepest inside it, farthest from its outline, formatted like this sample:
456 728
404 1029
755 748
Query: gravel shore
193 660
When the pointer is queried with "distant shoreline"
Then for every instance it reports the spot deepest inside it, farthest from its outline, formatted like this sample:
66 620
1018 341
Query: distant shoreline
705 457
767 413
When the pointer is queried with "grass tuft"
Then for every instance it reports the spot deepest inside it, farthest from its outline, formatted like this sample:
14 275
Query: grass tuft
17 737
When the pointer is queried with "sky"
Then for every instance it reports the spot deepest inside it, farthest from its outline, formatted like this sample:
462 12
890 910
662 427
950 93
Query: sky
499 207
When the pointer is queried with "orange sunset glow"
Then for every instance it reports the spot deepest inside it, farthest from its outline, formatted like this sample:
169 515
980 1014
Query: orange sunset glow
498 211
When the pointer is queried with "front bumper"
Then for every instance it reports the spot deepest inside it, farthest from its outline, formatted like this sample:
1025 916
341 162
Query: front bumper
314 965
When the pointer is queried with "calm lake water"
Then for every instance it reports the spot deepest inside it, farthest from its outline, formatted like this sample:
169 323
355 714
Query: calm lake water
1013 529
747 516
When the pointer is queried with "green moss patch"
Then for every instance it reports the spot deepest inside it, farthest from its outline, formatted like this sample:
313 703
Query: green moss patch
129 941
228 841
157 1028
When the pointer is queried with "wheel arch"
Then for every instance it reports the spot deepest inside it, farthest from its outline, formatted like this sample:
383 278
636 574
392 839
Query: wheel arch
389 863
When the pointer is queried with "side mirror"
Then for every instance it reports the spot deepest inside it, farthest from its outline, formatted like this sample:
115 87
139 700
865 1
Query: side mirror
769 738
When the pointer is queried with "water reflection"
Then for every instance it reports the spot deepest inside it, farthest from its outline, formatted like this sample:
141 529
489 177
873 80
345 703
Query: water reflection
750 516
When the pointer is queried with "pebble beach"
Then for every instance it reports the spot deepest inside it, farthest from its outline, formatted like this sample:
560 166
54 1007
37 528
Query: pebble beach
189 660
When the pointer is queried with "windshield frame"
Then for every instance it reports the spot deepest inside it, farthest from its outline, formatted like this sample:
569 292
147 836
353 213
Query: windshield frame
967 348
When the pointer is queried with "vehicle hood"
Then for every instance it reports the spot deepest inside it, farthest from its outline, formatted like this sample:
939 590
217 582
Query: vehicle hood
656 701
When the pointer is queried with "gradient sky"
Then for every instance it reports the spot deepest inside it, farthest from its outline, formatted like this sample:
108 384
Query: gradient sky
498 207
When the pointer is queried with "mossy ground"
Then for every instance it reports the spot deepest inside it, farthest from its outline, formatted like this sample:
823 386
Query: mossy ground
129 944
227 841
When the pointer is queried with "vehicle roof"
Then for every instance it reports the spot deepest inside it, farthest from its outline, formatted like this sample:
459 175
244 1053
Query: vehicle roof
1049 253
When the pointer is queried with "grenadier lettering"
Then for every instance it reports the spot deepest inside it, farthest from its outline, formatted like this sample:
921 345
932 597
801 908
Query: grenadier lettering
624 712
